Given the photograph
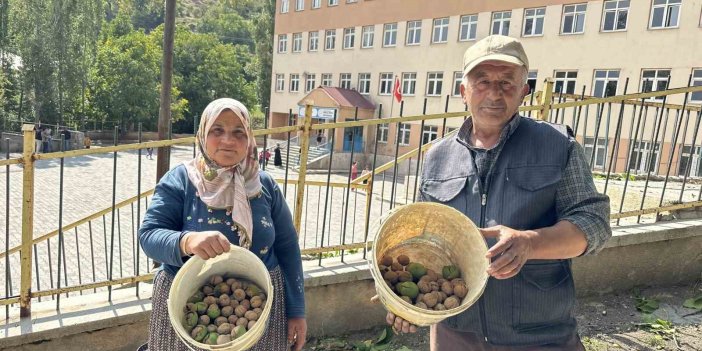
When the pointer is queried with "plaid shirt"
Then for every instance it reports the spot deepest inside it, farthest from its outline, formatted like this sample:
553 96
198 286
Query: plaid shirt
577 199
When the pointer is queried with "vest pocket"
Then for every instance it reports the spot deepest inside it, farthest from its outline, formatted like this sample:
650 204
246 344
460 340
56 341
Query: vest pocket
543 297
443 190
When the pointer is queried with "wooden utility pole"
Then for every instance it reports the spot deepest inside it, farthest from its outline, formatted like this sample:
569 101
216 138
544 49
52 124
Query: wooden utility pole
164 115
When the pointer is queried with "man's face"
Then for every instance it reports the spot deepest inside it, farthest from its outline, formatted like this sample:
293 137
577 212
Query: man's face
493 92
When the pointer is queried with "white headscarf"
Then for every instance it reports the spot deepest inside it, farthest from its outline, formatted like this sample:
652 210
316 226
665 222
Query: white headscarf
227 187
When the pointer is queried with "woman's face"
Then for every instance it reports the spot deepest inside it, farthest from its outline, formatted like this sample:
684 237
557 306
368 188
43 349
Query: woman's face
227 140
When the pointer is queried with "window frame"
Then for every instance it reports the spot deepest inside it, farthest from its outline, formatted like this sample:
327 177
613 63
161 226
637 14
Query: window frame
383 133
443 30
575 14
364 83
310 39
364 31
666 7
349 32
600 149
456 87
535 18
331 3
282 43
329 33
606 80
284 6
279 82
344 78
469 25
565 80
416 34
296 43
389 82
385 34
327 77
502 21
310 78
318 3
696 81
617 10
294 82
299 5
405 132
412 83
435 84
430 131
655 82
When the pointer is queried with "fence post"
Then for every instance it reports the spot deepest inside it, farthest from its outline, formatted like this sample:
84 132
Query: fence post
306 125
27 221
545 100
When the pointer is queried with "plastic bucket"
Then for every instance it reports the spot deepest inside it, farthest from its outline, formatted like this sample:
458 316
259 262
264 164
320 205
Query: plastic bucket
195 273
435 235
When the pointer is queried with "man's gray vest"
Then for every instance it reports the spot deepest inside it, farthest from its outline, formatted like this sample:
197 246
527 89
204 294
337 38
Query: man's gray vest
534 307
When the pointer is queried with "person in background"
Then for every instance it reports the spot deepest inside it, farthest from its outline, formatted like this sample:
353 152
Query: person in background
66 138
212 201
277 158
38 129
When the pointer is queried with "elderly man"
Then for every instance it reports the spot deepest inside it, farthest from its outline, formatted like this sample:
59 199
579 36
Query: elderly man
527 184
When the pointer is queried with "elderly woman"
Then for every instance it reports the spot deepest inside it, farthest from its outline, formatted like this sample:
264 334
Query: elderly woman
221 197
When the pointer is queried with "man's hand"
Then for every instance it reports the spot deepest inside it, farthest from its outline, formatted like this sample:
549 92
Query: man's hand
205 245
297 333
512 250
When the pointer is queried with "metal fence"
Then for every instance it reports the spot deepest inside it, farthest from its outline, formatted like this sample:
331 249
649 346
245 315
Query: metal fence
644 152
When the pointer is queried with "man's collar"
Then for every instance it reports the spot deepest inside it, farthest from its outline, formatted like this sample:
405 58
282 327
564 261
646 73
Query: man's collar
467 128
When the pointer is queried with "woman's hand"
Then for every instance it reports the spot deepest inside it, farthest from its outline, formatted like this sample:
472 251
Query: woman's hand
205 245
400 325
297 332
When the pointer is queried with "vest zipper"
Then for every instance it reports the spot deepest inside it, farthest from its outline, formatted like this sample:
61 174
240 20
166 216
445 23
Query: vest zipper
483 322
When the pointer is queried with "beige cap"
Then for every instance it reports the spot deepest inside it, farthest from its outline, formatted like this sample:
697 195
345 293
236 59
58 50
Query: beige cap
495 48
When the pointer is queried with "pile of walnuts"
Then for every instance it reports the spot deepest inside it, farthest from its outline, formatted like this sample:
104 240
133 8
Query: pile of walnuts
223 310
423 287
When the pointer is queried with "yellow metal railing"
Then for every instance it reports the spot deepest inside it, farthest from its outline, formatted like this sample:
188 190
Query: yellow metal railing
543 108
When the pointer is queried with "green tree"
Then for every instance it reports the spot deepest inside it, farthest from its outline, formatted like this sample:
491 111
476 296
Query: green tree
263 36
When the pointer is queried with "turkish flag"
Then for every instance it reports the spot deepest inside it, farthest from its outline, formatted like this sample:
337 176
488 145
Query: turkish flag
396 90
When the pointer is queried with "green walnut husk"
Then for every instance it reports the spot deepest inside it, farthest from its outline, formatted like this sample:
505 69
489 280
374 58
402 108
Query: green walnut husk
450 272
211 339
252 290
213 311
408 289
238 331
198 333
190 320
417 270
201 307
197 297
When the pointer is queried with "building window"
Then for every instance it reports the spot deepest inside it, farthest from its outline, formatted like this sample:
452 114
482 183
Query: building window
469 27
565 82
282 43
440 32
573 19
368 36
600 153
313 41
279 82
284 6
409 82
534 22
326 79
364 82
349 36
299 5
616 13
531 80
329 39
405 129
351 1
696 82
385 84
654 80
414 32
686 157
429 134
500 22
605 83
310 82
434 82
333 2
316 4
383 133
665 13
644 156
297 42
457 79
294 83
390 34
345 81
